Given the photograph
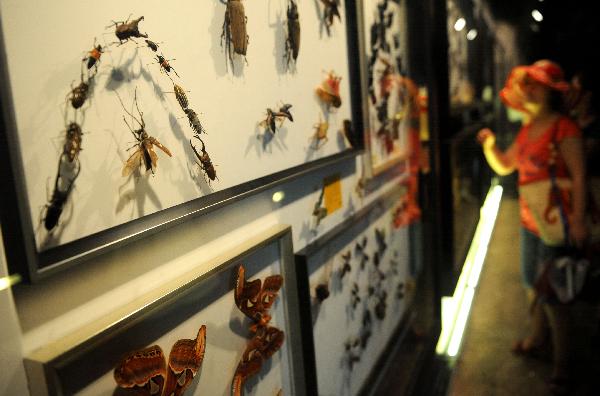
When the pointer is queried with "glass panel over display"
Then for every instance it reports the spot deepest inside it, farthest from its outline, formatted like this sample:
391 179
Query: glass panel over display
230 331
361 282
389 92
133 111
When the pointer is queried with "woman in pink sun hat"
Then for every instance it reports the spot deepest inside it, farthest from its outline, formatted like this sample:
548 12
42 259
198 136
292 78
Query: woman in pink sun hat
546 137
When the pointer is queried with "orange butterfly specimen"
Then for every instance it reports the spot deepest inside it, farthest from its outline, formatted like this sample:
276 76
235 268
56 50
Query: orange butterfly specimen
254 299
146 373
329 90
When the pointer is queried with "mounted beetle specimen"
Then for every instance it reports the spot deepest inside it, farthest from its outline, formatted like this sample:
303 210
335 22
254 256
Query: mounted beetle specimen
79 94
194 121
144 148
320 134
62 188
292 41
329 90
354 297
152 45
126 31
234 29
72 145
165 65
319 212
205 163
380 238
346 268
93 56
180 96
330 11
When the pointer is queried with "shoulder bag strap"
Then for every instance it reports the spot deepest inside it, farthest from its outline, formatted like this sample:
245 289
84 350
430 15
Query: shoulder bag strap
554 186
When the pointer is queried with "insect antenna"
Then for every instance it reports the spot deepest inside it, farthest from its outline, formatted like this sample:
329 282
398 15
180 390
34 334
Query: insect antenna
127 111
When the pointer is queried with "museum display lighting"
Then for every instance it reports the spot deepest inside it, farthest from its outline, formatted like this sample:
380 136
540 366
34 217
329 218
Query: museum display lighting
460 24
471 34
456 309
537 16
8 281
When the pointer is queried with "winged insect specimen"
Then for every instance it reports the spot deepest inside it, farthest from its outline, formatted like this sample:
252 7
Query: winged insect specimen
146 372
292 41
330 11
144 148
255 299
234 29
346 268
128 30
329 90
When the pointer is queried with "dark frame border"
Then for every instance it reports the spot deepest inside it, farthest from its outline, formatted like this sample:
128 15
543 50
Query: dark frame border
45 365
17 224
302 257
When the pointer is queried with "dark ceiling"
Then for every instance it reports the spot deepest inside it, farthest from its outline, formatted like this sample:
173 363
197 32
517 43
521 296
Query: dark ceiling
568 34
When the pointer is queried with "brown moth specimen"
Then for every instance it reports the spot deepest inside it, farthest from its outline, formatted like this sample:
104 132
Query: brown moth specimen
254 299
146 372
72 145
292 41
144 148
329 90
234 29
205 163
126 31
320 135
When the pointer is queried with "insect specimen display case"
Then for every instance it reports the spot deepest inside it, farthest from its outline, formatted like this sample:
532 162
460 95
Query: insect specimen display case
360 288
219 330
388 94
153 151
136 118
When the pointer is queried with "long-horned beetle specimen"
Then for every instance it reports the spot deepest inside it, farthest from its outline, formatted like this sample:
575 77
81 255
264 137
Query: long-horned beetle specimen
292 41
234 29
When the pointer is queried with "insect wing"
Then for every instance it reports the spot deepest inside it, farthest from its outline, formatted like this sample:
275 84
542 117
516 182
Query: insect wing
132 163
247 294
185 360
270 288
142 371
237 26
249 365
272 339
160 146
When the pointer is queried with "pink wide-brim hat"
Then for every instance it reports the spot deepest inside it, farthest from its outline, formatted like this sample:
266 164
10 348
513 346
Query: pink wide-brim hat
543 71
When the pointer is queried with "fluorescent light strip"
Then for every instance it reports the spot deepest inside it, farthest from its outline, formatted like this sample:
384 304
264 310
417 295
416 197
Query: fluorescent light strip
454 322
8 281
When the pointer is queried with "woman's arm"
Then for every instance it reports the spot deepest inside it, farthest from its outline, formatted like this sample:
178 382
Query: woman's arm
503 163
571 150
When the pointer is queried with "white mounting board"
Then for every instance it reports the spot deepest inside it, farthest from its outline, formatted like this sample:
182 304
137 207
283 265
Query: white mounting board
45 43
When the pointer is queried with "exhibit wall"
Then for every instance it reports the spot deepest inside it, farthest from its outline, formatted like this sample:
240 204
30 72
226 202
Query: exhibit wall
187 160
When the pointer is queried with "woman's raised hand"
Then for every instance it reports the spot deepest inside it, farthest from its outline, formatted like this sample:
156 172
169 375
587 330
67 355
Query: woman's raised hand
486 138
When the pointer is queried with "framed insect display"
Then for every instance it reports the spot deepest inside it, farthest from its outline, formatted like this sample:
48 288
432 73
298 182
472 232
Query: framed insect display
349 280
113 134
229 327
387 94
